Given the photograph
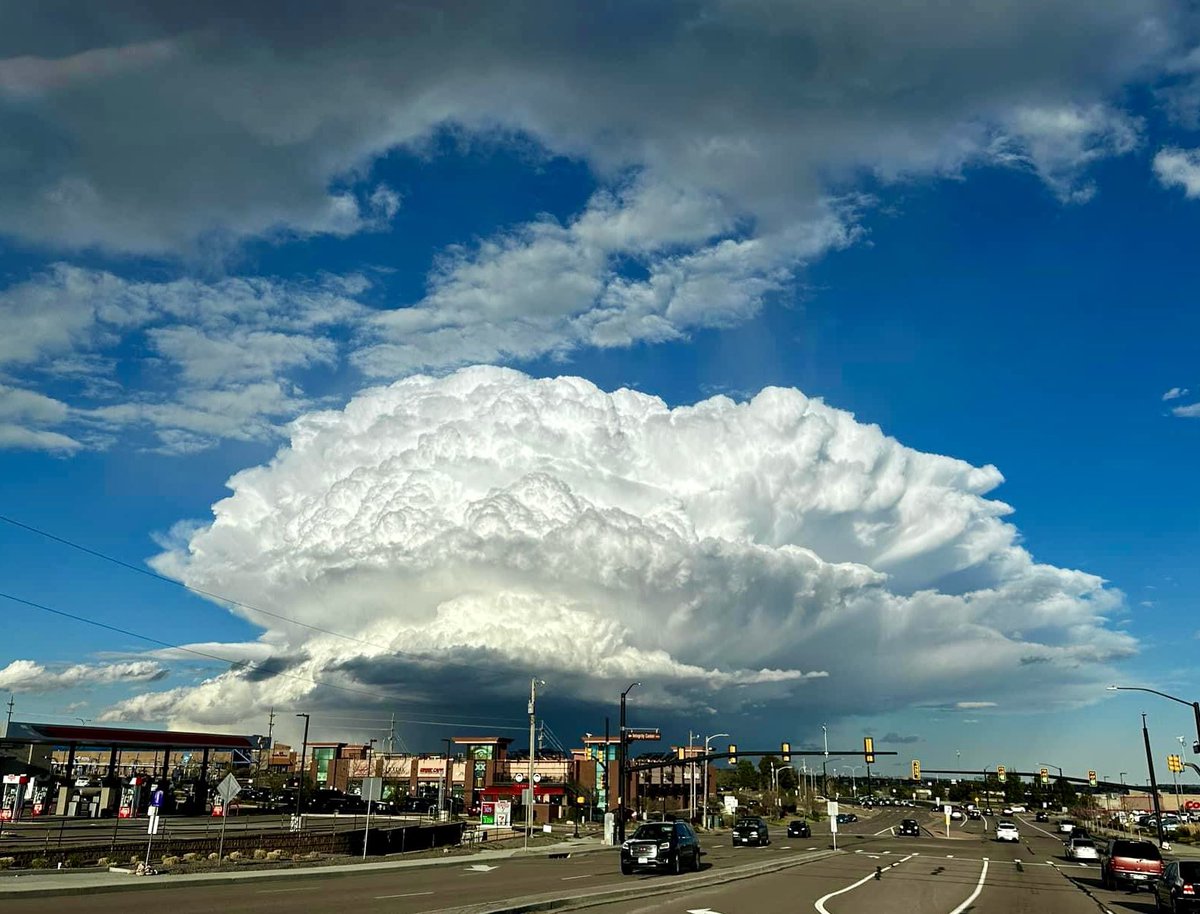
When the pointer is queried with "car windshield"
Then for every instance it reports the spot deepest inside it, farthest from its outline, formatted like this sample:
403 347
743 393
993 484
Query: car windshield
747 823
656 831
1006 825
909 822
1082 842
1143 849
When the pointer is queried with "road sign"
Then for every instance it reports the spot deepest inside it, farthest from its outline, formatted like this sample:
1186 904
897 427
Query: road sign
1092 778
646 734
227 789
868 750
1001 773
916 769
1044 775
372 789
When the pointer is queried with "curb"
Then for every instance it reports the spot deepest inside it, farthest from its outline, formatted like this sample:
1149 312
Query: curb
601 896
167 881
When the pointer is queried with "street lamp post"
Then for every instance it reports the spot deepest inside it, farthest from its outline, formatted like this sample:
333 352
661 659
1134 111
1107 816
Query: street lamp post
1124 812
303 766
534 682
1194 705
707 740
1153 783
825 761
853 785
624 784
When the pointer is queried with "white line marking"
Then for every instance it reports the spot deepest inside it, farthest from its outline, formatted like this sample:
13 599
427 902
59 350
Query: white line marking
304 888
405 895
978 888
819 904
584 876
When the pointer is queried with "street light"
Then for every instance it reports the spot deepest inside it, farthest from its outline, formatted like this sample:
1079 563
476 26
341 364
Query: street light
534 682
1194 705
825 761
624 785
853 769
303 759
707 740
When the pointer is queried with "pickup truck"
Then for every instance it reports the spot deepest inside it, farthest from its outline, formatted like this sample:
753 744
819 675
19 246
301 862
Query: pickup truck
1132 863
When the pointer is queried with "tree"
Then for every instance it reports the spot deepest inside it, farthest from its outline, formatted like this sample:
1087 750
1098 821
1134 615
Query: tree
745 776
765 764
788 779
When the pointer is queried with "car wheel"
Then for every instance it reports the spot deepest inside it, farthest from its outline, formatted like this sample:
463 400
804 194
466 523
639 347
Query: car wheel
626 869
677 864
696 860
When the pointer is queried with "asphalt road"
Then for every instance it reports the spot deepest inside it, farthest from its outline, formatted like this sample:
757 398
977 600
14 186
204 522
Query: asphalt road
931 874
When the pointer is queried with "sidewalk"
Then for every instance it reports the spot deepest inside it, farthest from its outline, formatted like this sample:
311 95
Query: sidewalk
63 882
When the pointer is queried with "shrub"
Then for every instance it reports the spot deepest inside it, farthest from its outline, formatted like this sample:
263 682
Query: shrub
39 863
73 860
170 860
213 856
6 862
274 855
235 855
103 861
260 853
134 860
191 857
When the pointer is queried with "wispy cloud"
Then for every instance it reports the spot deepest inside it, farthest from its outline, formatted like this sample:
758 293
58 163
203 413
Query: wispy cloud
1175 393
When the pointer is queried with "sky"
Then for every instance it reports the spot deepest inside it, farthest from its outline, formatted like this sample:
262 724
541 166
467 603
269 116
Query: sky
807 366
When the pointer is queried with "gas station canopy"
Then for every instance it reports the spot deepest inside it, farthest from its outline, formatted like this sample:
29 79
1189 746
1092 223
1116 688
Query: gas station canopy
26 733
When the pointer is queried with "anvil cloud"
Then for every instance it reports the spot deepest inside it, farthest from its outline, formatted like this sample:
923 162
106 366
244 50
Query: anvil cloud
724 553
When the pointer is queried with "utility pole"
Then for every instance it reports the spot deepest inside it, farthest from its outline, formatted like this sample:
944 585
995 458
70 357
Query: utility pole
270 738
1153 783
392 733
303 767
623 780
11 702
533 684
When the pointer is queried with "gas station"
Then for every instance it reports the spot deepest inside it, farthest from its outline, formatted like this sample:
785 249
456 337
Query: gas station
36 783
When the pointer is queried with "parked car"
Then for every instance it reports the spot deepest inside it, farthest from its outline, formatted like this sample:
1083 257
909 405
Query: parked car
1007 831
799 829
1006 811
672 846
1132 863
845 818
1019 808
1082 849
1179 888
908 828
751 830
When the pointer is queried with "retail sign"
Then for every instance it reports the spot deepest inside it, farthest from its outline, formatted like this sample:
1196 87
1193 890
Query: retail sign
646 734
432 769
487 814
504 813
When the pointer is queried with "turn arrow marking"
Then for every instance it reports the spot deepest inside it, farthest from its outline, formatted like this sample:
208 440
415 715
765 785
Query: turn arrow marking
702 911
481 868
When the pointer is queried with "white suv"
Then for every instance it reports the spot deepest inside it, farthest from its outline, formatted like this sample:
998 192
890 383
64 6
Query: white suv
1007 831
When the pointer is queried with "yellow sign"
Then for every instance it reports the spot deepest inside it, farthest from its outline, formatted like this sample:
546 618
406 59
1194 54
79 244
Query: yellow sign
868 750
916 769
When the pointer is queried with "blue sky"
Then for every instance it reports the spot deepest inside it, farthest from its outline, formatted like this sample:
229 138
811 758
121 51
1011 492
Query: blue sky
990 260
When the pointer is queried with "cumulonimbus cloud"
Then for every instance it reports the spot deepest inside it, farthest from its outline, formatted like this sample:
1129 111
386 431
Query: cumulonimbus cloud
726 554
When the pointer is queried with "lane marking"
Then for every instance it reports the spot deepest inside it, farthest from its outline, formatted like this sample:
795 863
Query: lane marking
584 876
405 895
304 888
978 888
819 904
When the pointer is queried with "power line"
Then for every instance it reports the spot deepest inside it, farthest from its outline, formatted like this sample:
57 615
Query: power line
199 653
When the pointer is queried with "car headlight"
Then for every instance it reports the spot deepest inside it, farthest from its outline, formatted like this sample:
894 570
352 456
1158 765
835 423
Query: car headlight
625 846
665 846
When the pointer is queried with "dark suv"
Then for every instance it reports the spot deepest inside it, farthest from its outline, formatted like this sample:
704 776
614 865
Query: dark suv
799 829
751 830
662 846
908 828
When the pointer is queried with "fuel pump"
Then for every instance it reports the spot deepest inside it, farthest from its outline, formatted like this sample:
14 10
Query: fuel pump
12 797
131 798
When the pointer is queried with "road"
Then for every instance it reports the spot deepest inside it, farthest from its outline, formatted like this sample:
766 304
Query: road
931 874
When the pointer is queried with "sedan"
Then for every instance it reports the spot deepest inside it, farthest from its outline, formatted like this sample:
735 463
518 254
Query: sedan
1066 826
1179 888
1007 831
845 818
908 828
751 830
956 814
1082 849
1040 816
799 829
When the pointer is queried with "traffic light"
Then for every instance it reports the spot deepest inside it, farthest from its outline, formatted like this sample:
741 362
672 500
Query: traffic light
868 750
733 753
1044 775
1001 773
1092 778
1174 764
916 769
679 753
785 749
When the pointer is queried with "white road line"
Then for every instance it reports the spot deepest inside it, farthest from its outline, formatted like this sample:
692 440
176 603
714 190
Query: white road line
405 895
1042 830
304 888
819 904
978 888
584 876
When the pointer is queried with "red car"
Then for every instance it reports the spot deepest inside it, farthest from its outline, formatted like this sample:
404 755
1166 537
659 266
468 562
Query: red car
1132 863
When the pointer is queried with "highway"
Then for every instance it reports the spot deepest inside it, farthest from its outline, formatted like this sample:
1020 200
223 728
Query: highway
931 874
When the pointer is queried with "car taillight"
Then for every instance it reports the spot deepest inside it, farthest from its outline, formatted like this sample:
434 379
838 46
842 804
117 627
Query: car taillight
1189 889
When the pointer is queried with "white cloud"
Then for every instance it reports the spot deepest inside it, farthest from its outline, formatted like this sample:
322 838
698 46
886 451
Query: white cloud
30 676
1191 411
1175 393
470 519
974 705
1179 168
